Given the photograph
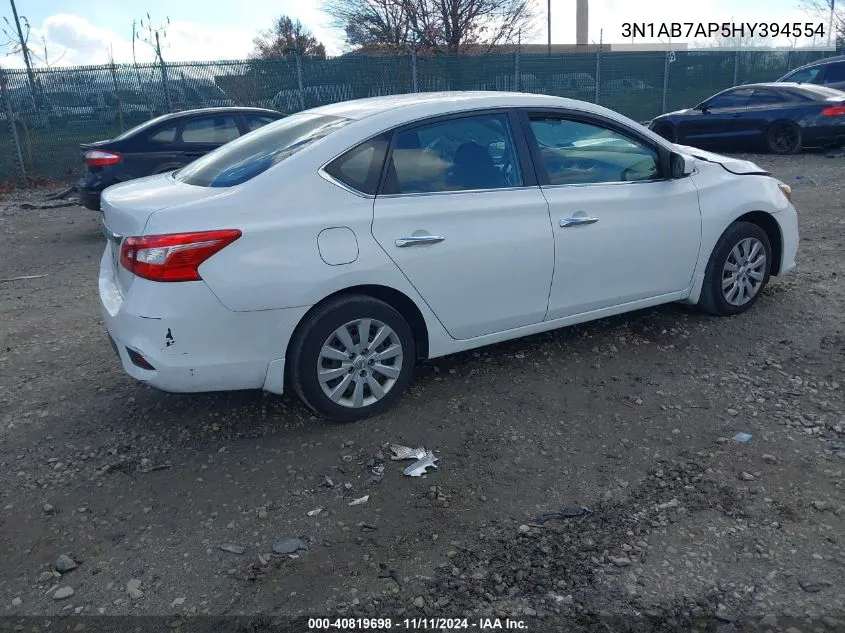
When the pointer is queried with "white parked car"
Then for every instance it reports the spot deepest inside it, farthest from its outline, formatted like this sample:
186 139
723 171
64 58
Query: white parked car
331 250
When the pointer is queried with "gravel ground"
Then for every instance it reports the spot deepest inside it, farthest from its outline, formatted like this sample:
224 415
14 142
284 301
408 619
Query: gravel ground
117 498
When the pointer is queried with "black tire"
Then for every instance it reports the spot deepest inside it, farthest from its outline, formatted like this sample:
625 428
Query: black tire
667 131
304 357
784 137
713 299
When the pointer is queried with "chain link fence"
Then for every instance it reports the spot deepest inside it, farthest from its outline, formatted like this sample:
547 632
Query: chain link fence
46 115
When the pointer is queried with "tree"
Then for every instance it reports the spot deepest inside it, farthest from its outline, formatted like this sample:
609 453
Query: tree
434 26
372 23
285 38
831 14
153 36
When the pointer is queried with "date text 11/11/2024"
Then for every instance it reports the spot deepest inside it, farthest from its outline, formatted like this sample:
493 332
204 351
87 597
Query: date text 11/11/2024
413 624
723 29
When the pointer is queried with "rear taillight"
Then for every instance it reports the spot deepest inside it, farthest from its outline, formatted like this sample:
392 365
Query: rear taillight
837 110
173 257
100 158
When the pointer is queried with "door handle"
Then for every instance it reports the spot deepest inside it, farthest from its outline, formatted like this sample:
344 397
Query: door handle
414 240
196 153
577 221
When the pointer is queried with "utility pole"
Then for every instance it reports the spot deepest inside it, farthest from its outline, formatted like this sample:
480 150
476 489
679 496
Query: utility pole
549 25
24 49
830 24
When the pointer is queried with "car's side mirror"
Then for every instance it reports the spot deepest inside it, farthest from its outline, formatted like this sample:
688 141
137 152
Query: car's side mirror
681 165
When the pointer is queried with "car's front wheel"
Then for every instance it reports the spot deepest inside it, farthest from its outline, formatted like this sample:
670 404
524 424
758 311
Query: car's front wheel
352 358
738 270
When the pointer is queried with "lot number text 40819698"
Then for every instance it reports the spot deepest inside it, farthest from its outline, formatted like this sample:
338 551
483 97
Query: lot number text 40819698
431 624
722 29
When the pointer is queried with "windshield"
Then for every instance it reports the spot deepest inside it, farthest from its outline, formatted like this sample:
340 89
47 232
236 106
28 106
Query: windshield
246 157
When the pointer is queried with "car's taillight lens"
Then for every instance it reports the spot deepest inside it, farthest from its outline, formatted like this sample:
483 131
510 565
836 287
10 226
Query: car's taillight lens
100 158
837 110
173 257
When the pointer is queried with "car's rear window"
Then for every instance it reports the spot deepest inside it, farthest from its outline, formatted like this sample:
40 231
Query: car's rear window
253 153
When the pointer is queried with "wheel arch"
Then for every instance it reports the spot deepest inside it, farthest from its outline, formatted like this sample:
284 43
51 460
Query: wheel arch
394 298
769 224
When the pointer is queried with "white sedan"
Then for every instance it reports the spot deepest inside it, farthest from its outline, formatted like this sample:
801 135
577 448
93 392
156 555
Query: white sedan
330 251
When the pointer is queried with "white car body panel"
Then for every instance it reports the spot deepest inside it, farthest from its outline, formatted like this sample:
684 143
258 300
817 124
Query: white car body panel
593 261
506 269
498 250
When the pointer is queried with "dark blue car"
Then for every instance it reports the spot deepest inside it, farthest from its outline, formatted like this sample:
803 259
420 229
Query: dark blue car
779 117
163 144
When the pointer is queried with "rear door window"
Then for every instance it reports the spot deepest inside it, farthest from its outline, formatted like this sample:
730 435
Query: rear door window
246 157
213 130
463 154
766 98
730 99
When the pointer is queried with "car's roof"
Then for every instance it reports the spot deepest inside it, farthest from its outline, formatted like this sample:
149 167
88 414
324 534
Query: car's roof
423 104
779 85
821 62
215 110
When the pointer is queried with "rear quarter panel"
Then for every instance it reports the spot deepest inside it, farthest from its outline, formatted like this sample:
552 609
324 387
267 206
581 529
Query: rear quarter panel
276 263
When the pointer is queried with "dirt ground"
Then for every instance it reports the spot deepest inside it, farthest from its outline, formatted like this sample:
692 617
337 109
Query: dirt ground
631 418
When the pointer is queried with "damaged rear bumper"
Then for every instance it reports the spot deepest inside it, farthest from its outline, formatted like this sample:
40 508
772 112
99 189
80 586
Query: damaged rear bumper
178 337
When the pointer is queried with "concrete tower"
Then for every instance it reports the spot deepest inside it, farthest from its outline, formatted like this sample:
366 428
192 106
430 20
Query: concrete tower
582 22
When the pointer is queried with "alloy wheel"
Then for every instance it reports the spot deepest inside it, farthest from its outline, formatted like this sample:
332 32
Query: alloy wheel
744 271
359 363
784 138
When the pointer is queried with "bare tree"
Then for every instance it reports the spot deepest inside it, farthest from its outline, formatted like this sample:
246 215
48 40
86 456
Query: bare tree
46 55
372 23
153 36
19 43
285 38
831 14
435 26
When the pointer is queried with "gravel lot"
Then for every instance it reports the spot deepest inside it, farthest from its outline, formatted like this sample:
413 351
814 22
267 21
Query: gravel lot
632 418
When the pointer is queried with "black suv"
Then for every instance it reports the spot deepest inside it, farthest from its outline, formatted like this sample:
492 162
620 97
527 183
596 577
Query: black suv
828 72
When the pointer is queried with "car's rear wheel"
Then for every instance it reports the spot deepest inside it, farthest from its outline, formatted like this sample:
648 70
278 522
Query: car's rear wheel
667 131
784 137
738 270
352 358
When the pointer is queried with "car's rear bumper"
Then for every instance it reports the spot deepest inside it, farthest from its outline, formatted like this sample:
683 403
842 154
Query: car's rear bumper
189 341
828 134
89 198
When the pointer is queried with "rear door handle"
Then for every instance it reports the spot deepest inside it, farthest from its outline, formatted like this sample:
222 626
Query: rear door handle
197 153
577 221
414 240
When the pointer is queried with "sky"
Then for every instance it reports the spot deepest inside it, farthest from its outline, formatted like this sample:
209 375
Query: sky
79 32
